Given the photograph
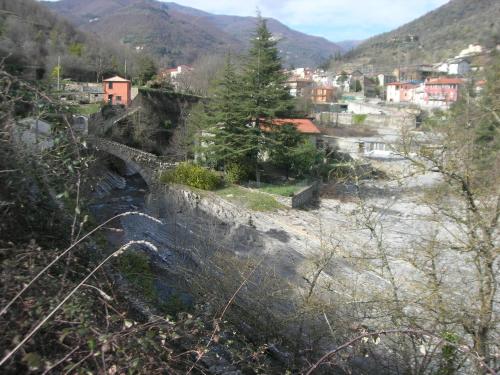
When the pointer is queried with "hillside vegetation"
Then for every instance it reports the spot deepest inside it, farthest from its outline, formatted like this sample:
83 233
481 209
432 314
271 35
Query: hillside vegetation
32 39
179 35
441 33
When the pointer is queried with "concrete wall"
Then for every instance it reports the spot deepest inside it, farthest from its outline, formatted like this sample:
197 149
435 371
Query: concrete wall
381 121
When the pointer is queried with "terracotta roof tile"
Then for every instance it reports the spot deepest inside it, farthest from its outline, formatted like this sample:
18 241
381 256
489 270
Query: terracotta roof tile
444 81
303 125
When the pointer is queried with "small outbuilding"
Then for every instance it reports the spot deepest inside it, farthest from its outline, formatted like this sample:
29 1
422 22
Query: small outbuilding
117 91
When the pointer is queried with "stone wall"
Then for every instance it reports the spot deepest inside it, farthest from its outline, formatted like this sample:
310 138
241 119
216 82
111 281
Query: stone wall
302 198
306 196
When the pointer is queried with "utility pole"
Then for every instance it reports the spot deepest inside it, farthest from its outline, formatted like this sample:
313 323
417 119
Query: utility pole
58 73
125 68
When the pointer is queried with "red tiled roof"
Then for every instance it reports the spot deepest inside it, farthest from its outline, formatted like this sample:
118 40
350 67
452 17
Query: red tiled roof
116 79
444 81
303 125
402 84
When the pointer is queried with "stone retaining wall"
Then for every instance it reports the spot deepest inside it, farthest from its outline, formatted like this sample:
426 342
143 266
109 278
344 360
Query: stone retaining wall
306 196
302 198
382 121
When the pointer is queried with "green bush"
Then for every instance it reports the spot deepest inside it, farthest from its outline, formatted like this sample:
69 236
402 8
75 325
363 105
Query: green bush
359 119
236 173
192 175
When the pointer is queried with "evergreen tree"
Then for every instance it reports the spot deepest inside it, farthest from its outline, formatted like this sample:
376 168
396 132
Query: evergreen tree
267 95
284 140
147 69
356 86
230 137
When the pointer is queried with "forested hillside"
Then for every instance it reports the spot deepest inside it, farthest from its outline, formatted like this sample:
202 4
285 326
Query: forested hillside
32 39
179 35
441 33
296 48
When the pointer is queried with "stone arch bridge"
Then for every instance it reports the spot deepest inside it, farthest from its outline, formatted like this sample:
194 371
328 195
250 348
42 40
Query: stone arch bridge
148 165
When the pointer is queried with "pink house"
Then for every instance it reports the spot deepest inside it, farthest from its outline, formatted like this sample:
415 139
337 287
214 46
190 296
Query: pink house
117 90
442 91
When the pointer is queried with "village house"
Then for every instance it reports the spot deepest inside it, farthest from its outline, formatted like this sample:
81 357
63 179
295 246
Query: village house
304 73
385 79
299 87
304 126
441 92
345 79
414 73
322 78
323 94
455 66
401 92
172 73
117 91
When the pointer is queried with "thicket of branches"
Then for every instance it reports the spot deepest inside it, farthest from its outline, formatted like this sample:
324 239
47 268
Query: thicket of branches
32 39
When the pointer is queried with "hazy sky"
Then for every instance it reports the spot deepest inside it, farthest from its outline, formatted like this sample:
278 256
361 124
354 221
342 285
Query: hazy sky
333 19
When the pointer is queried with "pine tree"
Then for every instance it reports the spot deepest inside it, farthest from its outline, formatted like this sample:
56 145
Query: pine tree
265 94
241 102
284 142
230 138
264 80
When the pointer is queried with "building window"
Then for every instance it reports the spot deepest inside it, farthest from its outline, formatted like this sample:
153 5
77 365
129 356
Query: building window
110 85
118 98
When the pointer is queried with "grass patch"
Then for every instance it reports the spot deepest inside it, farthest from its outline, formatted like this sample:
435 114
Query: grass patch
287 190
88 109
252 200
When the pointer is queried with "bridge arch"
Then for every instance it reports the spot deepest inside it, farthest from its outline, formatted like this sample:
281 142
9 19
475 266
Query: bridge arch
147 165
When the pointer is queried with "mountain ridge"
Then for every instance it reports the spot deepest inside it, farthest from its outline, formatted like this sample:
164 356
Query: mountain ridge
179 34
441 33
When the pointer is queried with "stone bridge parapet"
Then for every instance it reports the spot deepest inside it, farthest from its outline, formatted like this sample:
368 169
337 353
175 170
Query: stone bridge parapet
148 165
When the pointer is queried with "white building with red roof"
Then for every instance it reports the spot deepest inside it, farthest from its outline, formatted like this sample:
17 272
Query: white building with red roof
304 126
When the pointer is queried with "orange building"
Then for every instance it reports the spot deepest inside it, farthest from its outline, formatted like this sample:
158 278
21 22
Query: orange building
117 91
323 94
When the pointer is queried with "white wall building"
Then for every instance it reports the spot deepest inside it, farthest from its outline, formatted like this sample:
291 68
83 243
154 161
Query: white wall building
454 67
393 95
